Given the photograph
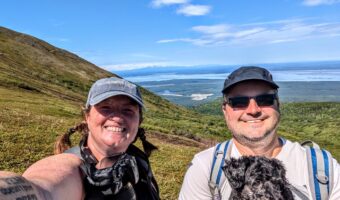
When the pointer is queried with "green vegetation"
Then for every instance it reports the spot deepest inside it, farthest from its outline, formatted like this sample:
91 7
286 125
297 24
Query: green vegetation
29 64
313 121
30 122
170 163
29 125
42 90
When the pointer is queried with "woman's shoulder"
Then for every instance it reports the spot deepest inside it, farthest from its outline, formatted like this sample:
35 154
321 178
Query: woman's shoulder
59 175
59 162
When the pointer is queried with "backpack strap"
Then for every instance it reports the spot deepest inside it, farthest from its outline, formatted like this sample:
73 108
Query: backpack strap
222 151
75 151
320 170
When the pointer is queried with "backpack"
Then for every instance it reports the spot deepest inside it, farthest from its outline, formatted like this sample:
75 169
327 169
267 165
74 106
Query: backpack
320 169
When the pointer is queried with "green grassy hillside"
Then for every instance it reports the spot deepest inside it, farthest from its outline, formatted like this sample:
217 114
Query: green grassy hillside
30 122
42 90
30 64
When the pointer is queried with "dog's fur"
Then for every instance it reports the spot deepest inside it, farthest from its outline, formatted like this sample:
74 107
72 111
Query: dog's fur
255 177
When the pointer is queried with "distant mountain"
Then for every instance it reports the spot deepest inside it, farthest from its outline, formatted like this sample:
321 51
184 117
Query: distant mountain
176 70
221 69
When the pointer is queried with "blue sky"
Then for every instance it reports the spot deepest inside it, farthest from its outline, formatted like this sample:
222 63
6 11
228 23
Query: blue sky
128 34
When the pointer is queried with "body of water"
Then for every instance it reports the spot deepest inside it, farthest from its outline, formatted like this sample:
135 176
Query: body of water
280 76
298 84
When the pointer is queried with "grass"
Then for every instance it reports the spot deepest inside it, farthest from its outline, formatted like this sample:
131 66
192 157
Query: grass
32 65
43 87
169 165
30 122
317 121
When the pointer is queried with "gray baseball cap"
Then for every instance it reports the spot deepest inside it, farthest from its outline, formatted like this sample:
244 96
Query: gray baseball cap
113 86
248 73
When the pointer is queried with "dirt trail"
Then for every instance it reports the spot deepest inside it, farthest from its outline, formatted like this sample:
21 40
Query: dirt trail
180 140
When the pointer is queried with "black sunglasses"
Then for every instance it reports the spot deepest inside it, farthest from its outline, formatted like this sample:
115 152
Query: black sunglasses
243 102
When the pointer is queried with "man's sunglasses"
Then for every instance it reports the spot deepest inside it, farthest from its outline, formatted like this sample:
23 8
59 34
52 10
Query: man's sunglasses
243 102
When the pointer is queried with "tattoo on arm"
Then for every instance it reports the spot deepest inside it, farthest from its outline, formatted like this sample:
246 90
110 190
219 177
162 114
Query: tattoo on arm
16 188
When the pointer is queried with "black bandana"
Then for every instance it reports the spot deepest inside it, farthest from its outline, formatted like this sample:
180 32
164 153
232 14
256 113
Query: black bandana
113 181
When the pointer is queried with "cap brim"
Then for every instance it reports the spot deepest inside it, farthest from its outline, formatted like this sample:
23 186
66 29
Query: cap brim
107 95
274 85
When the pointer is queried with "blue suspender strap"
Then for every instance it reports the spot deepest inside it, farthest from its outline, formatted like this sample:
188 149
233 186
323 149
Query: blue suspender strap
315 169
214 159
221 164
326 166
282 140
320 172
220 153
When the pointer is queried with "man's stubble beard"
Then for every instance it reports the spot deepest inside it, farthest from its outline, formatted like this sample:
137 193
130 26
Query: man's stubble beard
256 142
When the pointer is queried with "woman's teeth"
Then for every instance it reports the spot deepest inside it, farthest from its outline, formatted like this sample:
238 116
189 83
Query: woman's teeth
114 129
253 121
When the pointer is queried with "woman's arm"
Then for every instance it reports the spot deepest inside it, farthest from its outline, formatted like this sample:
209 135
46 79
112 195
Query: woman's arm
14 186
56 177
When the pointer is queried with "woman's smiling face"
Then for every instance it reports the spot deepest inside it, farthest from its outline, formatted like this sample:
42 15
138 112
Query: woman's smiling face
113 124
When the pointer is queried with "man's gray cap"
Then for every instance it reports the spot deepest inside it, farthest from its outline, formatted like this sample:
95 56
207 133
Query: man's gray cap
109 87
248 73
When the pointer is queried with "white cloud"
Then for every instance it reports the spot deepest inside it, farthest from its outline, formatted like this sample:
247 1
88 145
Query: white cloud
319 2
185 9
194 10
214 32
245 33
197 42
128 66
275 22
160 3
215 29
259 33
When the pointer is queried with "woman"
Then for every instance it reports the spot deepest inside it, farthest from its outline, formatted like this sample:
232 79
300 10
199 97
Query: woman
105 165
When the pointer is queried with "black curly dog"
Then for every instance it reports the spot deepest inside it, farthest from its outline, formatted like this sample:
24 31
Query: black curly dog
259 178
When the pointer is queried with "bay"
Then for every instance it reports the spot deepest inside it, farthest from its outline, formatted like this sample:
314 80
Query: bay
189 86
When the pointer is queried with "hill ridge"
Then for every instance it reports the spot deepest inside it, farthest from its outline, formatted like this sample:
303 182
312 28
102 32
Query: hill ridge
30 64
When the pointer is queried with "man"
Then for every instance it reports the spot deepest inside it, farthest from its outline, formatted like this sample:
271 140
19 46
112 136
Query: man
251 110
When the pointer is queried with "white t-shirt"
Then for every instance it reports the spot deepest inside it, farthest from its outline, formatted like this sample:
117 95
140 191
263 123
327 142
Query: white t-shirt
293 156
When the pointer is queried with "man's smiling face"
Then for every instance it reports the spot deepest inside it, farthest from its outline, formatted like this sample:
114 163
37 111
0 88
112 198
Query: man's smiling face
252 123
